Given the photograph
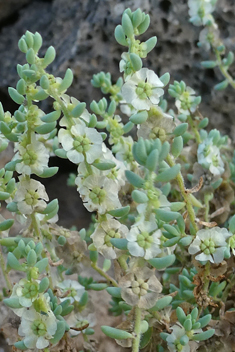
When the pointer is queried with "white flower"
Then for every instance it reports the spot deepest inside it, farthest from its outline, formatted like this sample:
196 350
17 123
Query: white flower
99 193
144 239
140 286
104 232
73 289
37 328
81 321
143 89
200 11
26 291
173 340
158 125
208 156
30 196
81 143
184 103
125 152
210 244
208 37
34 157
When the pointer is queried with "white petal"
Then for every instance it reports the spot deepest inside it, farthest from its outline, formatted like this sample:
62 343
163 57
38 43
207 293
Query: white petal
141 104
153 79
135 249
30 341
218 255
204 257
75 156
42 342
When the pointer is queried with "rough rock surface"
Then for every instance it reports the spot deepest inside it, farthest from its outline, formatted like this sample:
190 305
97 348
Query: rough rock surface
82 33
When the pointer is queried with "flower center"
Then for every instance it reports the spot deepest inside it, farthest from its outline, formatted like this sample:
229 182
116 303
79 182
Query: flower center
144 240
110 234
30 290
178 346
215 160
139 287
158 132
39 328
206 150
29 157
185 101
144 90
82 144
208 246
31 197
97 195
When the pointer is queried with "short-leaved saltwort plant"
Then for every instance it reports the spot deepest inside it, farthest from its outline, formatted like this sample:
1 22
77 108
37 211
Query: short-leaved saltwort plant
159 185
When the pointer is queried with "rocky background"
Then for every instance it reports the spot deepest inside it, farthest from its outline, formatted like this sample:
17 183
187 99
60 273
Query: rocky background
82 33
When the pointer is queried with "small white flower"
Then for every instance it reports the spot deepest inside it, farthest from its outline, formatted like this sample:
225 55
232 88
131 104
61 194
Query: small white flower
184 103
81 320
140 286
144 239
209 157
73 289
200 11
173 340
143 89
30 196
158 125
37 328
34 157
81 143
104 232
208 37
124 154
26 291
99 193
210 244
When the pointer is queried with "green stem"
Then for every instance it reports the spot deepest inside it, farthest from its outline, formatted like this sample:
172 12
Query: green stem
102 273
180 181
191 123
2 264
137 330
207 209
223 70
